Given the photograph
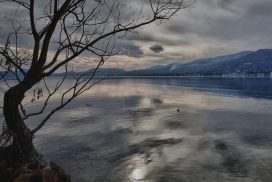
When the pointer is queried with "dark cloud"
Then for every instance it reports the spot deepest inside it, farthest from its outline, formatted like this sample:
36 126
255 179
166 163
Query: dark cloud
179 28
143 37
209 28
130 49
260 8
156 48
225 3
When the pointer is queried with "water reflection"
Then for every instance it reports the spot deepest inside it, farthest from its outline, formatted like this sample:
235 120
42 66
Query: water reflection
130 130
137 174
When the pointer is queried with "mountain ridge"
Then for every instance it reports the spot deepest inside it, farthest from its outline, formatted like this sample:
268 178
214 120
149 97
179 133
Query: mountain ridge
244 63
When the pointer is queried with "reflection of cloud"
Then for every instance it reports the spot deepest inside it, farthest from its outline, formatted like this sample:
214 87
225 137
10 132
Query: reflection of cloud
137 174
144 148
232 158
109 144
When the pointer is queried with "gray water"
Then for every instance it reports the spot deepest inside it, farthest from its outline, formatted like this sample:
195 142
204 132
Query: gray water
130 130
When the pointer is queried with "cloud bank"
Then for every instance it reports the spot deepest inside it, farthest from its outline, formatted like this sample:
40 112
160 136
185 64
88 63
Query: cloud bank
208 28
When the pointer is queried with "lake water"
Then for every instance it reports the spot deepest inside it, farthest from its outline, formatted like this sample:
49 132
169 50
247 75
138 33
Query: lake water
164 130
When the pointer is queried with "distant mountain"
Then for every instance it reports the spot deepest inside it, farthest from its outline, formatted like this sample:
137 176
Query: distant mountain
99 72
9 75
207 65
242 63
155 70
247 62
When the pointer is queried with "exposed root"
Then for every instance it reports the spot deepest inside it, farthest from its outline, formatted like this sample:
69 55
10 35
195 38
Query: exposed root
54 173
14 170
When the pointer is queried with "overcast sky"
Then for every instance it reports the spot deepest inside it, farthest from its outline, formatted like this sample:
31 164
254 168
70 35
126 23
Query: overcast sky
208 28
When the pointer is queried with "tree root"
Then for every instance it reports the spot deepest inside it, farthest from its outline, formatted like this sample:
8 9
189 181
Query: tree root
54 173
30 171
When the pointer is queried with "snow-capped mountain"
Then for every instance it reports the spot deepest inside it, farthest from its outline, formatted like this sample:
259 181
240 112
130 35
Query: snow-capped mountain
243 62
246 62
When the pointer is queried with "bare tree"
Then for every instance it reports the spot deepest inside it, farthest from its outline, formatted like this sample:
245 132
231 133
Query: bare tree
61 31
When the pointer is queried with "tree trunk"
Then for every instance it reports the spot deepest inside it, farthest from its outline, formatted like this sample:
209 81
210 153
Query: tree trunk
22 136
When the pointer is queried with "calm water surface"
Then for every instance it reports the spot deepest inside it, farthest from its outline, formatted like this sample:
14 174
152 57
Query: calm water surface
130 130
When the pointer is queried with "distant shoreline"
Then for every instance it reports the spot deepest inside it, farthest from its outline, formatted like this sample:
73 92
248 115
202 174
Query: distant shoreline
185 77
109 77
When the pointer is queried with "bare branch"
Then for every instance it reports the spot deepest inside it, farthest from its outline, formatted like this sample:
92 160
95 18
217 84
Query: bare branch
65 30
50 94
74 95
